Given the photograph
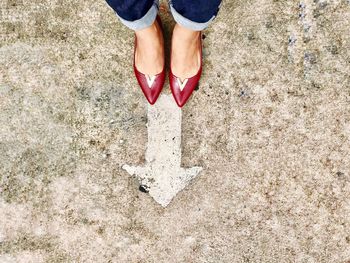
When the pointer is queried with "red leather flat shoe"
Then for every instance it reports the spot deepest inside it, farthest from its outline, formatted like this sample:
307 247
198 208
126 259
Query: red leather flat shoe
182 90
151 86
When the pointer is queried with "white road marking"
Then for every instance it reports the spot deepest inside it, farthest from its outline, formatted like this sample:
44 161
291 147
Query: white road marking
162 174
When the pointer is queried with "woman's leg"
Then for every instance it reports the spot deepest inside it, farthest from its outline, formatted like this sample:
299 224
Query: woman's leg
191 17
140 16
135 14
195 15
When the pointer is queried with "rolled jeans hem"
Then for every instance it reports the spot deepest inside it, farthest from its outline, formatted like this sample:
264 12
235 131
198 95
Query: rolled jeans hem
185 22
144 22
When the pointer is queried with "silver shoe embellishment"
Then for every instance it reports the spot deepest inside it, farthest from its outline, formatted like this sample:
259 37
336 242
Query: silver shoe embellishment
181 84
150 80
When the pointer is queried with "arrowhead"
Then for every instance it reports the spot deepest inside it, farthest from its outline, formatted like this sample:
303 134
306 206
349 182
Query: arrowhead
163 183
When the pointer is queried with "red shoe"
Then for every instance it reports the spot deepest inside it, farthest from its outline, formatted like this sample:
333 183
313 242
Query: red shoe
151 86
182 90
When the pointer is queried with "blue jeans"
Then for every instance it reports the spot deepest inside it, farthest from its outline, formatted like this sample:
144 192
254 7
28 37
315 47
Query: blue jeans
192 14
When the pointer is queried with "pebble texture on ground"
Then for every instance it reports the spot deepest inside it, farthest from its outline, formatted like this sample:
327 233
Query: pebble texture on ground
269 124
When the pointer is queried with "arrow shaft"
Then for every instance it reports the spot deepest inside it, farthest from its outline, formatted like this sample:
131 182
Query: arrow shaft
164 133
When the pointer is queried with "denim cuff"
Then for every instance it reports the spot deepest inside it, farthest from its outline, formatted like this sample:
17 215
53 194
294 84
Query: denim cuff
144 22
185 22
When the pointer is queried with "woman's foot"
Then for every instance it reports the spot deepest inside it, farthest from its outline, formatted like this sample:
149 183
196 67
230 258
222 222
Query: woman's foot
149 54
186 63
185 52
149 60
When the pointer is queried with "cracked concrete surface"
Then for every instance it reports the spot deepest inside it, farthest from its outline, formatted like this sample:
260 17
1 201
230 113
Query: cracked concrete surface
269 124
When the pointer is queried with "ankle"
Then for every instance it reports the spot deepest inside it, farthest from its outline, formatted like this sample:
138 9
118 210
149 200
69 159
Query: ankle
149 32
184 34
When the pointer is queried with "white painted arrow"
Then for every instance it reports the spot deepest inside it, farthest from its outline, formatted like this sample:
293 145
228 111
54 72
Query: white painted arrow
162 176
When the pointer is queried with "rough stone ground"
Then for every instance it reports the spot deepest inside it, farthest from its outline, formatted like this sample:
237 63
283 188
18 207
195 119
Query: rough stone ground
270 125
